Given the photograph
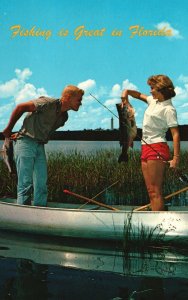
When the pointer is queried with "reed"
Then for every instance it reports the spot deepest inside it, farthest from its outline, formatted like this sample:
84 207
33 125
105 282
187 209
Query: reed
88 174
144 239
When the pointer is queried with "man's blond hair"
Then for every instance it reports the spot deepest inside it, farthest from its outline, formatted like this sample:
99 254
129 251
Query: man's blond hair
72 90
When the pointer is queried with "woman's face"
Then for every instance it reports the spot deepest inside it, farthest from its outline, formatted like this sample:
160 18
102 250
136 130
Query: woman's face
156 94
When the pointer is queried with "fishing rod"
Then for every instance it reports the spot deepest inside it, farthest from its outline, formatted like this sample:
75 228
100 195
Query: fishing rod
104 105
183 178
128 127
104 190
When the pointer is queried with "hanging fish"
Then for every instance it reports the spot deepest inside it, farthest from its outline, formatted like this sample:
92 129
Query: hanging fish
127 129
8 156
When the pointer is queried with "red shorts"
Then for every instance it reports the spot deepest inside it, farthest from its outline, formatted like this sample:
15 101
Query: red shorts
155 151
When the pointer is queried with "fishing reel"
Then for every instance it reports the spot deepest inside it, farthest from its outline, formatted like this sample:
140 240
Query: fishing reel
183 178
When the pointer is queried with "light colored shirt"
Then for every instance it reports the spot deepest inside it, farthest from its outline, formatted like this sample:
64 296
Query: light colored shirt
41 123
158 117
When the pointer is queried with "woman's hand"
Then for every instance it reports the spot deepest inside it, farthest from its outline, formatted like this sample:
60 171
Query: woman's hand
124 97
124 94
174 163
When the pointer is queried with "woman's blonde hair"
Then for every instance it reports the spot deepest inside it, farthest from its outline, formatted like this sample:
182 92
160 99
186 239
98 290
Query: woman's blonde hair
163 84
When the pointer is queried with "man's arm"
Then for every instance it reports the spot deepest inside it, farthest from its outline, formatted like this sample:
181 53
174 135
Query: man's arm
134 94
16 114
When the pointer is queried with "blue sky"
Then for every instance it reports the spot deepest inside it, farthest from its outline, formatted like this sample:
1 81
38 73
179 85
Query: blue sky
103 65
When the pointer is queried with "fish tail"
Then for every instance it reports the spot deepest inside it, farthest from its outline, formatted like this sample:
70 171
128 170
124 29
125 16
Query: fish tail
123 157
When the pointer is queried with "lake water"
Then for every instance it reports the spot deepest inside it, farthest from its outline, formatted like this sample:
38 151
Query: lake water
91 146
36 267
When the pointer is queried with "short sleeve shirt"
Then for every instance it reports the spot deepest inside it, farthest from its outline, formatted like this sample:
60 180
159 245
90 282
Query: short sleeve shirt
158 117
47 117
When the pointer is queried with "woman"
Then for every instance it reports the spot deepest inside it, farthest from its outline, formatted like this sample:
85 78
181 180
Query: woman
158 118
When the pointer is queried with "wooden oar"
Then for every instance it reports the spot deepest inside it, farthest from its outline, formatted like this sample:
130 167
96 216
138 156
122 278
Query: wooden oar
89 200
104 190
165 198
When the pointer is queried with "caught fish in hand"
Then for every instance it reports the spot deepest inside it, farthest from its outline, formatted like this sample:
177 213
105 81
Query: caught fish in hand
8 156
127 128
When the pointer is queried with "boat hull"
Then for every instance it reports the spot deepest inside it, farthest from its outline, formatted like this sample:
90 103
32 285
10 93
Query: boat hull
94 224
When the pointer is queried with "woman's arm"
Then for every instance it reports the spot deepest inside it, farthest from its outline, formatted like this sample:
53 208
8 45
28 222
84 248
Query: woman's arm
176 145
134 94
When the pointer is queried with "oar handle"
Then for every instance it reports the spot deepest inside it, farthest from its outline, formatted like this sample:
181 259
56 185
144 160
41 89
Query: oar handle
89 200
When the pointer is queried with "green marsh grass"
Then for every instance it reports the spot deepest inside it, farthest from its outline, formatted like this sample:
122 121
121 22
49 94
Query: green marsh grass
88 174
145 237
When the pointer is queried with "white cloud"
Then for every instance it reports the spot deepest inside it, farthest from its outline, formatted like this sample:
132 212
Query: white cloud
28 92
23 74
5 109
181 93
18 89
117 88
87 85
102 91
175 33
111 102
9 88
128 85
12 87
116 91
183 78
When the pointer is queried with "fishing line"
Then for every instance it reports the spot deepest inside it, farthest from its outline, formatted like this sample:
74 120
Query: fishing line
104 106
128 127
182 177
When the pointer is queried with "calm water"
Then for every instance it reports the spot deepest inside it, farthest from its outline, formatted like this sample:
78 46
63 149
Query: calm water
39 268
91 146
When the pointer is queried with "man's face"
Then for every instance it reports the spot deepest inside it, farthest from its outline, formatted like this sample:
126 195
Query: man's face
76 101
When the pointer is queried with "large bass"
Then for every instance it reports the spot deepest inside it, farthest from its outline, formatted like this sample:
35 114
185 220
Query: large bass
127 129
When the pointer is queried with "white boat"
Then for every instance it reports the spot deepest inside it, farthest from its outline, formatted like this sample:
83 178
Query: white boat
92 223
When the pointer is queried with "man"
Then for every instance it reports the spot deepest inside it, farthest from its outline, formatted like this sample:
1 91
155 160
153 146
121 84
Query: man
44 116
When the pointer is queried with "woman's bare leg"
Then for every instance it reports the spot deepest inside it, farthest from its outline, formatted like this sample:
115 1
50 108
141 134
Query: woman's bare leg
153 172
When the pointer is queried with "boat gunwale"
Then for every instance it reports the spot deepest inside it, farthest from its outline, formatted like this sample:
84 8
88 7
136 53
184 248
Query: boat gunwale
90 210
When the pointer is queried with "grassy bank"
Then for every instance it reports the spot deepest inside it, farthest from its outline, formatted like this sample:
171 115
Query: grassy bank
88 174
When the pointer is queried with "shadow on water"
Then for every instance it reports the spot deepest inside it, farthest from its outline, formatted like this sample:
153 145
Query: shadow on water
28 281
41 268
